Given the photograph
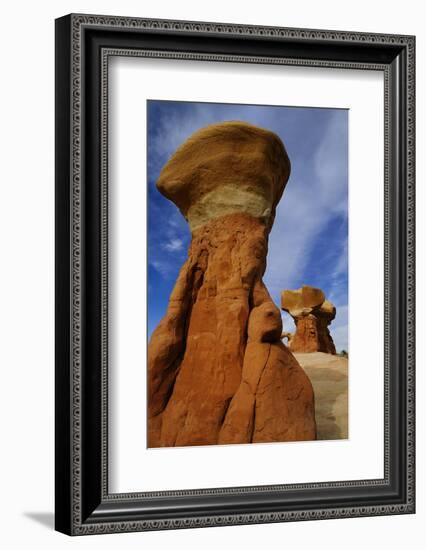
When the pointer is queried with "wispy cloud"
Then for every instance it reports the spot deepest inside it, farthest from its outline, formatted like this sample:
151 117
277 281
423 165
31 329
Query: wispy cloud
341 266
163 267
316 194
339 328
174 245
288 323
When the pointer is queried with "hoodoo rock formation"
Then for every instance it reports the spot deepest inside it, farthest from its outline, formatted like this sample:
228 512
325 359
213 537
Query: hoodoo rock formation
218 372
312 314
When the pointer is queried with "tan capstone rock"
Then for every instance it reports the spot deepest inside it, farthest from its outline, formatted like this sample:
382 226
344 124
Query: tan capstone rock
224 169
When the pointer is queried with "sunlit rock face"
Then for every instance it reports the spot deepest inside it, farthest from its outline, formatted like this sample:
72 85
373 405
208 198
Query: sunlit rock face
312 314
217 370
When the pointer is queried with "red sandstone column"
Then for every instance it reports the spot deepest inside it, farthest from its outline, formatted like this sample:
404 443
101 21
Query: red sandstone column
226 180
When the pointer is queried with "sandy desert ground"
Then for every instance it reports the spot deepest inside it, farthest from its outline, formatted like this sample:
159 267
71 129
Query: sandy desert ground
329 377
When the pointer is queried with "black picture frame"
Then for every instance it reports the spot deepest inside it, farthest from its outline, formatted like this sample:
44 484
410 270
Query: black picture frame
83 504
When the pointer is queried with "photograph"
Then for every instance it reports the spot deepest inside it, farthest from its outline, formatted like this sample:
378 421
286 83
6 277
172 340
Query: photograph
248 336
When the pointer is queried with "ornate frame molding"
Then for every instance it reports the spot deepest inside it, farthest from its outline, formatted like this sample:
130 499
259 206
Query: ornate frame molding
72 47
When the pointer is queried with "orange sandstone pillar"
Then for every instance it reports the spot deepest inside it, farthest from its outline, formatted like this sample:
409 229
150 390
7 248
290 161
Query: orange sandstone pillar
226 180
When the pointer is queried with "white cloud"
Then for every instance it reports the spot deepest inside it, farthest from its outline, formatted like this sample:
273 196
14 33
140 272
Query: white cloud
174 245
175 220
174 129
339 328
341 266
311 200
332 169
163 267
288 323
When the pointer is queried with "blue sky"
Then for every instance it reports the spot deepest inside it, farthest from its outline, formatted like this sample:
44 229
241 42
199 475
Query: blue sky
308 243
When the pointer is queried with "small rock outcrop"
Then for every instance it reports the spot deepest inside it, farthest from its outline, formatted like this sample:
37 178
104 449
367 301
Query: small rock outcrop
312 314
217 369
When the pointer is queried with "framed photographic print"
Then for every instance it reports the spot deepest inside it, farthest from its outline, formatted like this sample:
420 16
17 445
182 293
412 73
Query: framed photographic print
234 274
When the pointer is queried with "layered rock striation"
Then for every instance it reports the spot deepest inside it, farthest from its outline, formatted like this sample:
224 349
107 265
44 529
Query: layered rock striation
312 314
217 370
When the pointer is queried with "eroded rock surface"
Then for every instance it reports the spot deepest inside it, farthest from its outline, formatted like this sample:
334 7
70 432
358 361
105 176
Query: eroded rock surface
312 314
217 370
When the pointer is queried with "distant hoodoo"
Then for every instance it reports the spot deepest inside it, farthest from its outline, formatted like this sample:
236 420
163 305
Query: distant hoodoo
312 315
